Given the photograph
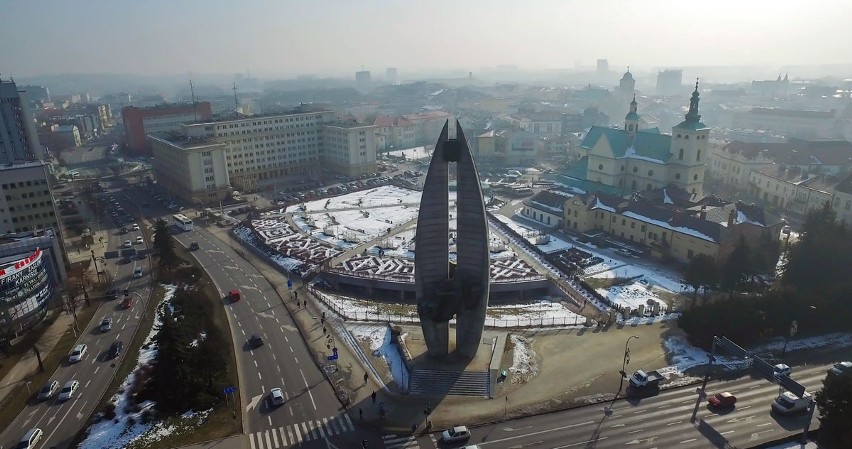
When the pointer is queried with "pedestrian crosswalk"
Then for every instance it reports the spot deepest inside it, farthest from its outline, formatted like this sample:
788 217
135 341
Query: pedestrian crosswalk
294 434
393 441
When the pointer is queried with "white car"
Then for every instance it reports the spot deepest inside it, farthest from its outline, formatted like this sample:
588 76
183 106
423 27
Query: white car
77 353
781 370
48 390
458 433
139 240
276 396
135 227
788 403
106 324
68 390
128 244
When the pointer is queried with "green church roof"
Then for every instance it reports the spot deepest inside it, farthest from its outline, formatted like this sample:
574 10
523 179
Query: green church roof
647 145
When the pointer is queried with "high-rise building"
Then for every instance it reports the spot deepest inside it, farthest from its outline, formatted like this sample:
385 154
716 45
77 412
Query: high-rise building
670 82
390 75
140 122
603 66
26 203
191 168
18 137
362 79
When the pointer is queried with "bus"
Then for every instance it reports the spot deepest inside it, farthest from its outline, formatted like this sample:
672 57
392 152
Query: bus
183 222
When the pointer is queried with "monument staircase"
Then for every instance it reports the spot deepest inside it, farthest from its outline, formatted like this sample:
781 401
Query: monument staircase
437 382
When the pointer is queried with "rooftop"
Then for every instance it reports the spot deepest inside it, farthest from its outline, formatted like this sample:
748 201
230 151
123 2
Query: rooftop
180 140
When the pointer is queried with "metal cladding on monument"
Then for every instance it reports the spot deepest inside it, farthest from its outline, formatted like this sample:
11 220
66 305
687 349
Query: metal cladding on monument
460 289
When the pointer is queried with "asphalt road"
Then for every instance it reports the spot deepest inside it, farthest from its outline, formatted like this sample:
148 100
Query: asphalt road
661 421
61 421
311 416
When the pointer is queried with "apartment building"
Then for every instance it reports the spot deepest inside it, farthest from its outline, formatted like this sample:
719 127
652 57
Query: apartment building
18 136
192 168
26 203
349 148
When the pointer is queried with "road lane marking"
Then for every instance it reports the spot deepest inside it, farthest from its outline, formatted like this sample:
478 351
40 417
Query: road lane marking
636 431
595 440
688 441
764 424
259 376
87 384
545 431
727 432
673 423
744 407
269 417
640 411
255 363
291 349
96 370
308 388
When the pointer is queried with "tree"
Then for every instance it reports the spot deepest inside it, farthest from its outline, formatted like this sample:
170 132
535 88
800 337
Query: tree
737 268
834 402
819 261
700 272
164 245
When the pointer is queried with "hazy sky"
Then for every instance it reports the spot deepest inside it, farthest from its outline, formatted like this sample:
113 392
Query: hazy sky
315 36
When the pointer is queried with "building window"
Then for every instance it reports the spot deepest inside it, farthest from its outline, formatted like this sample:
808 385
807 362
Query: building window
677 175
698 156
689 254
680 155
695 177
635 169
622 168
600 167
650 172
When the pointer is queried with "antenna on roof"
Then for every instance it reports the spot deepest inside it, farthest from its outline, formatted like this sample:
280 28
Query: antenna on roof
236 103
192 93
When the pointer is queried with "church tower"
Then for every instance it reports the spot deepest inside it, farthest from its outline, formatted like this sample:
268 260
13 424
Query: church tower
689 150
631 120
627 85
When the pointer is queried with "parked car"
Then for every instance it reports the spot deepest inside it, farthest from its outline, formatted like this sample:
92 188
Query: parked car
48 390
135 227
788 403
78 353
128 244
137 272
68 390
139 240
781 370
457 433
276 397
255 341
106 324
115 349
840 368
722 400
30 439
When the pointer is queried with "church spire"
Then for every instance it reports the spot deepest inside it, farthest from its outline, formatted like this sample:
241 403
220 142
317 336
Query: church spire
693 116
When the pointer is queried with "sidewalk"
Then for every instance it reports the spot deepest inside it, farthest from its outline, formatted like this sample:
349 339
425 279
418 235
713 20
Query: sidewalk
232 442
29 363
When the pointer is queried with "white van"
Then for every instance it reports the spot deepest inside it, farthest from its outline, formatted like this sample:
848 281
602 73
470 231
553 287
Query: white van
31 438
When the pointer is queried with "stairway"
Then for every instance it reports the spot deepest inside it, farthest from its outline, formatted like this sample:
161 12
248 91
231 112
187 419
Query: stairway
435 382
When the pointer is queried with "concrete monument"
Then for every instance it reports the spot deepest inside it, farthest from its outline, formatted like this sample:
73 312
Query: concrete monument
445 289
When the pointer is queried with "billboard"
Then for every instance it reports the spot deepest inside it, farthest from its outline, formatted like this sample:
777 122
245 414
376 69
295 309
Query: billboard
25 286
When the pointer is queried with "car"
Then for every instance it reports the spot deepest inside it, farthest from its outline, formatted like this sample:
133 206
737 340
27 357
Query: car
48 390
134 227
193 246
722 400
30 439
234 295
137 272
122 230
142 255
781 370
255 341
78 353
115 349
840 368
788 403
68 390
106 324
276 397
127 302
139 240
112 294
457 433
125 260
128 244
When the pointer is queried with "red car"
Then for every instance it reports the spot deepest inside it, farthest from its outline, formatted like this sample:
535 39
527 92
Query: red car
722 400
127 303
234 295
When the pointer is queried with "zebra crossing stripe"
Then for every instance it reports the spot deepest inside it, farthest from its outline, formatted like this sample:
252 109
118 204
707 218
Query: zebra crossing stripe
346 419
304 431
289 434
268 441
274 438
313 429
251 441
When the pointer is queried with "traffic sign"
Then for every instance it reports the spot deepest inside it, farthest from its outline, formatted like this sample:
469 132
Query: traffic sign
332 357
228 390
289 284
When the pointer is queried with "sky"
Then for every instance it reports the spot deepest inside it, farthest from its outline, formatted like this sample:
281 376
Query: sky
284 37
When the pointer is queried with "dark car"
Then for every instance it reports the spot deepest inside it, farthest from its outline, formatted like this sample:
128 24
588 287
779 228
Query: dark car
112 294
193 246
115 349
255 341
722 400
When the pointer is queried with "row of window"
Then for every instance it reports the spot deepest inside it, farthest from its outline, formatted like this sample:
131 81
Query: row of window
12 185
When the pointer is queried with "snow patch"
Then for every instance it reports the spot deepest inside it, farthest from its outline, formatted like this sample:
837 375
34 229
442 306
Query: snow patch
523 359
382 345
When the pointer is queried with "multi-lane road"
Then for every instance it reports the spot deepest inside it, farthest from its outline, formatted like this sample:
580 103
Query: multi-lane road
61 421
311 415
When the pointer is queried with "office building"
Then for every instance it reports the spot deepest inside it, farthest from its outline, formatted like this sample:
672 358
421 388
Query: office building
26 203
18 137
670 82
603 66
191 168
390 75
349 148
140 122
362 79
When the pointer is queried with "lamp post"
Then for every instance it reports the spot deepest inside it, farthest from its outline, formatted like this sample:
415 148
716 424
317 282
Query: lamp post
626 359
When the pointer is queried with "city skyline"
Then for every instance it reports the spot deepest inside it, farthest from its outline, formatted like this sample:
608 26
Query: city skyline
285 38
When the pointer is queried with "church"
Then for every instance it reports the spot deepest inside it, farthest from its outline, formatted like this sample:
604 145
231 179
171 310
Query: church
638 160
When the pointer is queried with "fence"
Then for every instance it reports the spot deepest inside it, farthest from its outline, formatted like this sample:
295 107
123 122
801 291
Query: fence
351 314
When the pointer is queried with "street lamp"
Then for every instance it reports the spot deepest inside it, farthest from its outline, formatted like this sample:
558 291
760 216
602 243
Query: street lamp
626 359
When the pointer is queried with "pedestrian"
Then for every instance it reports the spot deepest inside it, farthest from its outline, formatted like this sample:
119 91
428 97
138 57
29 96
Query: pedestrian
296 295
414 428
366 377
323 316
322 320
360 413
374 397
306 304
323 330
